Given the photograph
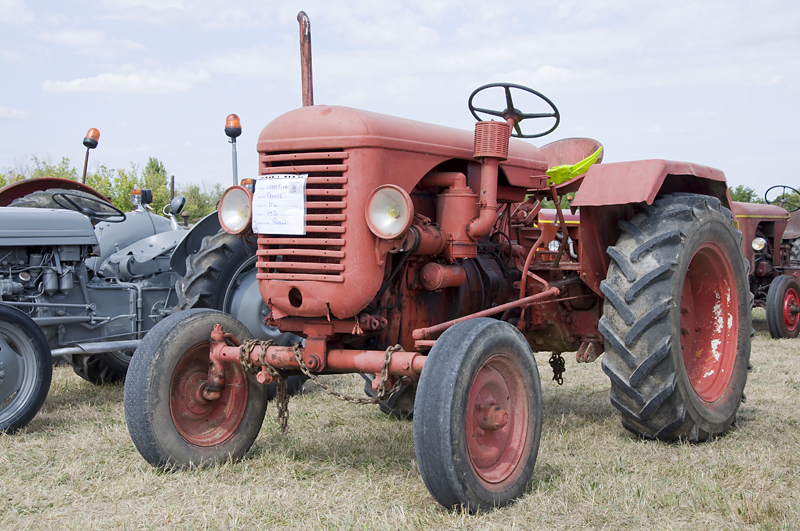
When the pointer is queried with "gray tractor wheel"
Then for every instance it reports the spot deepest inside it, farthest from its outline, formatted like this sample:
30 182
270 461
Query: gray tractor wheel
26 369
95 368
677 320
221 276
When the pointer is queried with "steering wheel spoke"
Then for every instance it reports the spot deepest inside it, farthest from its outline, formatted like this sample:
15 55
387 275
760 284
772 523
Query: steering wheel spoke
511 112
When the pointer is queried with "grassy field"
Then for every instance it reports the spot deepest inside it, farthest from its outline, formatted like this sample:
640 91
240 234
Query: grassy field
351 467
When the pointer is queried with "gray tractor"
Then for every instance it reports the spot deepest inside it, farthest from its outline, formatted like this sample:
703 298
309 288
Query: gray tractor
82 280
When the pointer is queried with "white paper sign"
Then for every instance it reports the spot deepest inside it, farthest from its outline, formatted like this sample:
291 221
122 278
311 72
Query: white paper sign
279 204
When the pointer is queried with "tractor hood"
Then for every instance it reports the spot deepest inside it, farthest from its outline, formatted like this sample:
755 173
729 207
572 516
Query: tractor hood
40 226
322 127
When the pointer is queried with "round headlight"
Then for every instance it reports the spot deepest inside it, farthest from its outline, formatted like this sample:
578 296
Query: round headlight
235 209
389 211
758 243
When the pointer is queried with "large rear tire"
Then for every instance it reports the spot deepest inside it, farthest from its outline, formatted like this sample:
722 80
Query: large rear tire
677 320
478 417
167 422
783 307
26 369
221 275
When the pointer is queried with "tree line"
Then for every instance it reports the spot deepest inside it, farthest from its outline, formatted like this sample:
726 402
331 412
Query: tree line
116 184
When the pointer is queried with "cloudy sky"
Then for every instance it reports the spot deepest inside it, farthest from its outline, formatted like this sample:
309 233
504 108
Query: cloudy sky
712 82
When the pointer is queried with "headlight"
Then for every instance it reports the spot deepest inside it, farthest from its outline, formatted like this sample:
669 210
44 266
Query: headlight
389 211
758 244
235 209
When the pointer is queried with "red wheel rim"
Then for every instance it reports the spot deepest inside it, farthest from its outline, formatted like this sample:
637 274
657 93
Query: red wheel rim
790 314
497 421
201 422
709 322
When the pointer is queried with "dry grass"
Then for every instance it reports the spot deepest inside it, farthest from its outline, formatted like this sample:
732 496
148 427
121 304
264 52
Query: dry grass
351 467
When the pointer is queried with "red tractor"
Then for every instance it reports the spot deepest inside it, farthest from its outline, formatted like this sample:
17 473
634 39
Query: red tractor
772 246
421 254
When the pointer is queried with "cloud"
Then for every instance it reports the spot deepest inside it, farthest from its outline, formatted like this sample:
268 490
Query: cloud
93 41
15 13
13 114
144 82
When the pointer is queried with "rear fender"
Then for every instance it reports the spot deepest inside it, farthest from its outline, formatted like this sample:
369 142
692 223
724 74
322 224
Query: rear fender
208 226
621 183
28 186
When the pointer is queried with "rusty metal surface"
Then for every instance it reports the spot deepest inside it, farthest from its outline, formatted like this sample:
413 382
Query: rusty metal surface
305 59
28 186
640 181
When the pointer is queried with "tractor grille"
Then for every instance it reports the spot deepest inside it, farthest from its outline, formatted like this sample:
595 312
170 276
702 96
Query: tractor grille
318 254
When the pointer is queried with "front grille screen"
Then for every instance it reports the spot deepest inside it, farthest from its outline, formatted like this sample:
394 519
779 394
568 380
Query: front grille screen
318 254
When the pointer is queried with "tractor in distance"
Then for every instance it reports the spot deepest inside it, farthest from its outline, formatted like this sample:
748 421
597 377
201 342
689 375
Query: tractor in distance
420 253
772 247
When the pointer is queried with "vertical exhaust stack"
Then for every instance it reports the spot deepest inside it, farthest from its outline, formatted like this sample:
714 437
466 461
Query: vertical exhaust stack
305 59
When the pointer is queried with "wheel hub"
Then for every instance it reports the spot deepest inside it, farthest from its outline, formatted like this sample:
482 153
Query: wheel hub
709 322
202 422
497 419
791 309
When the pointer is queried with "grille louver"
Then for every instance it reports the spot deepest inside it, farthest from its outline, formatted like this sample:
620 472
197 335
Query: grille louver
318 254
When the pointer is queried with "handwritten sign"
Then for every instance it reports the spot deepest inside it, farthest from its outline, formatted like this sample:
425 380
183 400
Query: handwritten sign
279 204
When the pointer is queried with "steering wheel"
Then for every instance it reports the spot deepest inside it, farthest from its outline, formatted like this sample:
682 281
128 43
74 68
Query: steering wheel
108 212
781 199
512 112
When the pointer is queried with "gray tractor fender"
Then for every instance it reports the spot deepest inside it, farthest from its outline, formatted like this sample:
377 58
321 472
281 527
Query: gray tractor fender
208 226
143 258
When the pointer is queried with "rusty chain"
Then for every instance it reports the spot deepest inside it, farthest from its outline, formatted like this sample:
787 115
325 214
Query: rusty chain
282 397
382 394
559 366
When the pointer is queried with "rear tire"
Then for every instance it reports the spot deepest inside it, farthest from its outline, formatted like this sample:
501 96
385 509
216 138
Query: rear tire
168 426
677 320
26 369
783 299
478 373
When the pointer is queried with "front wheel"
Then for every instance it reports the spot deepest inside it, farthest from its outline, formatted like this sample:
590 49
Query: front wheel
783 307
478 417
170 423
677 320
26 369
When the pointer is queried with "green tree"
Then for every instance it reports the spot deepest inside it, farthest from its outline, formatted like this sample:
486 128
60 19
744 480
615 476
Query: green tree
200 201
155 178
743 194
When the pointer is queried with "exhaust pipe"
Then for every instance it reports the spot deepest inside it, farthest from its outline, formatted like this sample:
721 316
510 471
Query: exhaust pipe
305 59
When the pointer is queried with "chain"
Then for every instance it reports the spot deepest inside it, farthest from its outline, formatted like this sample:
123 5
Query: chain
558 365
381 390
282 396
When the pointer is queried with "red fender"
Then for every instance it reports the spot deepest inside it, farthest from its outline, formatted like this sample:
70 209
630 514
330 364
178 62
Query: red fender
639 181
23 188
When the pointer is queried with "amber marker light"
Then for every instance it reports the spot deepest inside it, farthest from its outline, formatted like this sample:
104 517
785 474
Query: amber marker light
233 126
90 141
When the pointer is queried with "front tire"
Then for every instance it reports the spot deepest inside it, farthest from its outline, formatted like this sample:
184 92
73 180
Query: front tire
677 320
168 425
478 417
26 369
221 275
783 307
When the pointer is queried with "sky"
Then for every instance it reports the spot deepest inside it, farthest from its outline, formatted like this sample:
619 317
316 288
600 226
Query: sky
711 82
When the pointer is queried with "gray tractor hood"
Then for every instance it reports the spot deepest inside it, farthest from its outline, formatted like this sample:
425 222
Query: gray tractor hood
42 226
